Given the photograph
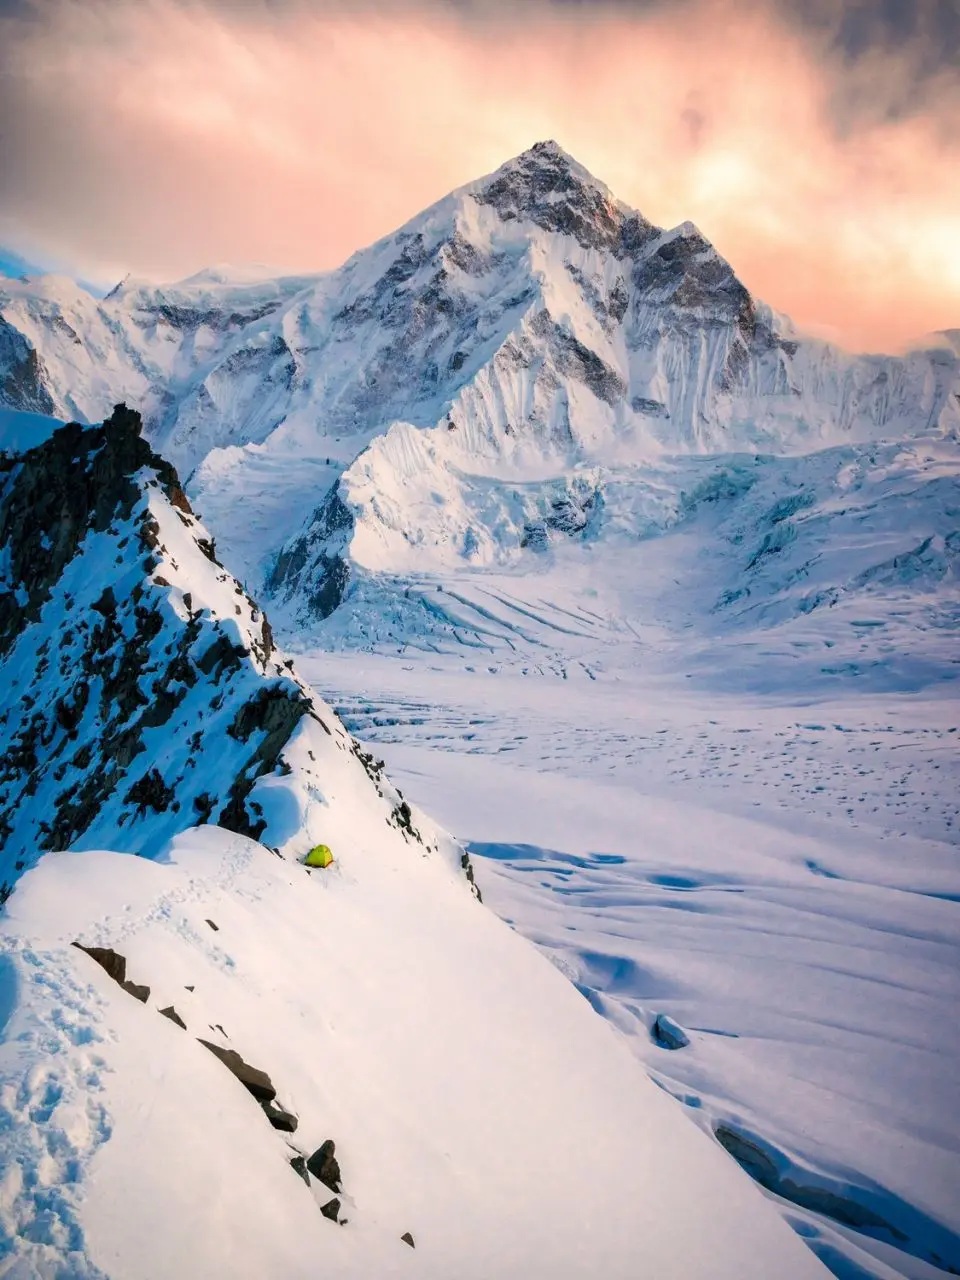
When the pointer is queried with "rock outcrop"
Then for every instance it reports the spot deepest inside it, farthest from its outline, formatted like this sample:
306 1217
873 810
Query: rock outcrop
142 689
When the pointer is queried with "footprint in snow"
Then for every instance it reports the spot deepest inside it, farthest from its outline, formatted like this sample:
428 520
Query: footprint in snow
52 1117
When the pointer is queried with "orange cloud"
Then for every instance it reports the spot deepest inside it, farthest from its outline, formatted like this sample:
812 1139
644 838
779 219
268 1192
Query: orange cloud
161 136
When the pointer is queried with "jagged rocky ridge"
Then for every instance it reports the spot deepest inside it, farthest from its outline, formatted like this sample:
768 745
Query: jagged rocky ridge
143 693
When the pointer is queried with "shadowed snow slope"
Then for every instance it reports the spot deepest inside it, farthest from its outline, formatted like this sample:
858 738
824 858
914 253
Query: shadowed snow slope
475 1099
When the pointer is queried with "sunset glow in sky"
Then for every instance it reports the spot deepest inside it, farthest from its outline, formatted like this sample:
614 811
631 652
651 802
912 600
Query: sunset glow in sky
817 144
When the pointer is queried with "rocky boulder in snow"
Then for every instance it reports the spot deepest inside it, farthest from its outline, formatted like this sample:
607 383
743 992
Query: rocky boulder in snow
253 1079
324 1166
115 965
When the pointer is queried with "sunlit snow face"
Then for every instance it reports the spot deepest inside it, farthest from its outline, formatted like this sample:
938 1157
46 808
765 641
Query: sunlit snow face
291 134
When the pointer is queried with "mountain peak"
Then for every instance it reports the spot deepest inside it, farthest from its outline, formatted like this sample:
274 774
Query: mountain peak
548 187
545 169
548 149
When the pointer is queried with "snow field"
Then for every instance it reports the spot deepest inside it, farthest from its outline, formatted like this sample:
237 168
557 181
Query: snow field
474 1098
778 878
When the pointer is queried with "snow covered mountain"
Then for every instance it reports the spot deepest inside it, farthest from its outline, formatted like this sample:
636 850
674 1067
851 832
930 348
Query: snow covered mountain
216 1062
143 689
506 374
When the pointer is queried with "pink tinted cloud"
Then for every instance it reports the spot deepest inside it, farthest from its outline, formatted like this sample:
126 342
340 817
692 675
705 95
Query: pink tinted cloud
163 136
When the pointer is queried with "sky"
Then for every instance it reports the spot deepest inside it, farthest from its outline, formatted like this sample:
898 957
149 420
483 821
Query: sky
816 143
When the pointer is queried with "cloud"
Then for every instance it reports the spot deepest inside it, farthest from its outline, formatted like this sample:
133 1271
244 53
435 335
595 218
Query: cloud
817 144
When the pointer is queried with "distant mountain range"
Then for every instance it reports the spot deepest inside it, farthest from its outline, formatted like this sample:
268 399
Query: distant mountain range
528 370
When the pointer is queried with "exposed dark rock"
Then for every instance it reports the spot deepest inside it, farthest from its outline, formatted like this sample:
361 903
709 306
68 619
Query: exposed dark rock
127 663
69 710
689 276
467 867
75 808
164 704
192 318
656 408
151 792
77 480
115 965
223 656
90 480
407 1238
331 1209
313 564
324 1166
578 361
299 1166
171 1013
275 712
179 499
108 959
266 637
253 1079
570 513
203 803
545 187
285 1121
535 536
149 532
214 927
22 385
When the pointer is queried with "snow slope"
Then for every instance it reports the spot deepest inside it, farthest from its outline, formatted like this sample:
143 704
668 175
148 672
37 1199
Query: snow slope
773 876
20 430
474 1098
844 561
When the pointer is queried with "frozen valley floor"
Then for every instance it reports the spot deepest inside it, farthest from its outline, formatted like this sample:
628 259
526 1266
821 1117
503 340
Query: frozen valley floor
776 879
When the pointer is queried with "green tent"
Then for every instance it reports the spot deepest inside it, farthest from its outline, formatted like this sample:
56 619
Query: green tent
319 856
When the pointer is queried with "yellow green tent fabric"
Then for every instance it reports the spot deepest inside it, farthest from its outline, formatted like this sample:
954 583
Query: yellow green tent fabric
319 856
